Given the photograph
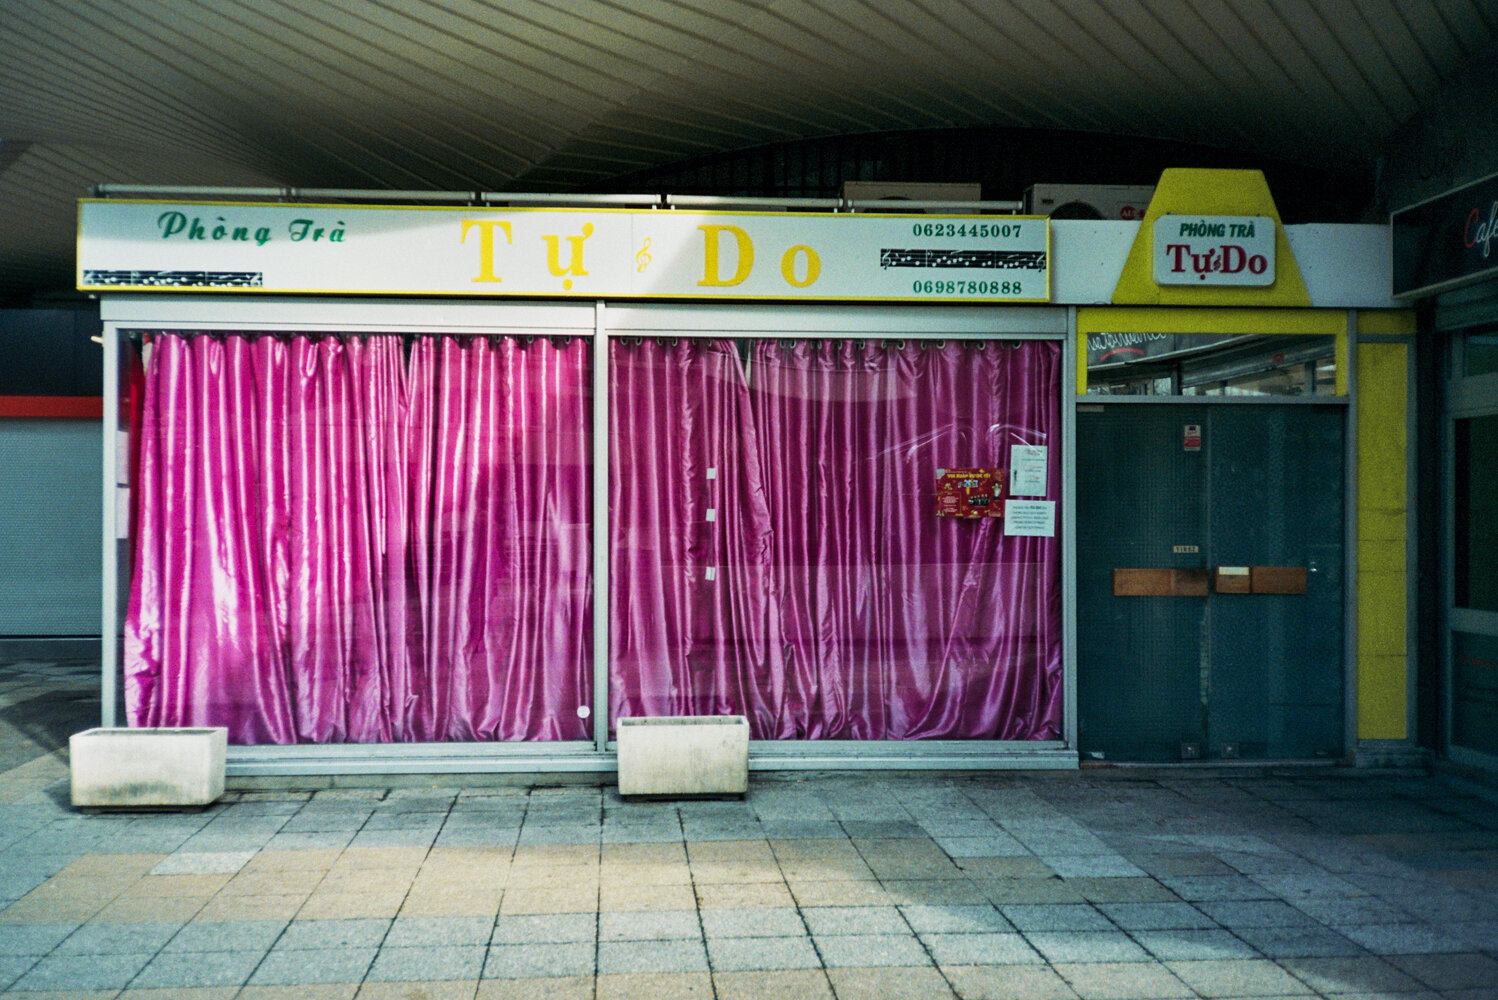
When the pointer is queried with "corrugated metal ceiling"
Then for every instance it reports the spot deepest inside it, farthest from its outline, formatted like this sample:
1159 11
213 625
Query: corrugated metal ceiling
558 94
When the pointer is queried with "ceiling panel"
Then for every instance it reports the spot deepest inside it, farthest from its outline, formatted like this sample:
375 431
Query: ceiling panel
493 95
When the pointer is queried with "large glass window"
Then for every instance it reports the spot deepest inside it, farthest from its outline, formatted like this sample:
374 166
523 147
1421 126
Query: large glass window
1474 713
387 538
1476 514
1170 364
1472 688
780 550
361 538
1480 351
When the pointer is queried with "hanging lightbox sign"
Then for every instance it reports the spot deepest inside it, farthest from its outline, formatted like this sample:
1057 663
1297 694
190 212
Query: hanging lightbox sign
1446 242
592 253
1214 250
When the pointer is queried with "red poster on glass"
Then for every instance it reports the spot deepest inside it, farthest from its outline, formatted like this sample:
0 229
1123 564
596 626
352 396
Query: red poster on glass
970 493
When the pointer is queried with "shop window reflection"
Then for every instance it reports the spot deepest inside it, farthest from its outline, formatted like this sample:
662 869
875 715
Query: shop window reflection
1474 716
1216 365
1476 514
1480 351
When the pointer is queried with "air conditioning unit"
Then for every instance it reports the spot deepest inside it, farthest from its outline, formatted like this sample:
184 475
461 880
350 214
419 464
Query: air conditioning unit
897 191
1088 201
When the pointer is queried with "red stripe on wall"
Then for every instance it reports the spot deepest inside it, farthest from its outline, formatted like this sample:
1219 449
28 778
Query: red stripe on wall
52 406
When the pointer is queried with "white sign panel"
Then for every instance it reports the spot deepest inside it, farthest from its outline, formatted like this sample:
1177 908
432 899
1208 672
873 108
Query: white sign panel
1214 250
1030 517
1027 470
591 253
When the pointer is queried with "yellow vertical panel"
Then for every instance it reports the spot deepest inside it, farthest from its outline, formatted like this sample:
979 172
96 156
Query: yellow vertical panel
1382 498
1387 322
1081 363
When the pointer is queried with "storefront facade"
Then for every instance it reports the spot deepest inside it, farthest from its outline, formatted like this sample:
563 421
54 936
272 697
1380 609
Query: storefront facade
1443 264
455 489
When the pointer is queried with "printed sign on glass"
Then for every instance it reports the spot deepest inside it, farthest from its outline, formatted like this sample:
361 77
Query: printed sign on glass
970 492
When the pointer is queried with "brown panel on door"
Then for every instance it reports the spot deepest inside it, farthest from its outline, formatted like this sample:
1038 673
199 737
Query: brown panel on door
1142 583
1159 583
1231 580
1278 579
1189 582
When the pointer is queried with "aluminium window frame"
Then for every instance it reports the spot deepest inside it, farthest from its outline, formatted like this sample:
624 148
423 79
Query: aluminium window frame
600 321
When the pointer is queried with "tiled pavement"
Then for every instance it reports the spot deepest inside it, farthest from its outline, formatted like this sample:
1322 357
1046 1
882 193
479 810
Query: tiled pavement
1104 886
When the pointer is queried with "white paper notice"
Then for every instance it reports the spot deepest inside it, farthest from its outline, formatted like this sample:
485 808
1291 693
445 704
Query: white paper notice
1027 468
1030 517
122 512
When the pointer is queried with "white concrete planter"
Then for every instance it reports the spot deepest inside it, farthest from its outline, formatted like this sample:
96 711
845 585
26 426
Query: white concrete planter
126 768
684 755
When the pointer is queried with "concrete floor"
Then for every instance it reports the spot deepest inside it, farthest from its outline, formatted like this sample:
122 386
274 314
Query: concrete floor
1109 885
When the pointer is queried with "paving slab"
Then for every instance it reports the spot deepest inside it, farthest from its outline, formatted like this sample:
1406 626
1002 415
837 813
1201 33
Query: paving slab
1155 885
748 954
1123 981
763 921
428 962
889 983
955 918
302 935
82 972
674 955
416 932
1195 944
829 920
997 948
1086 946
225 935
1056 917
184 970
772 985
541 960
870 950
545 928
112 938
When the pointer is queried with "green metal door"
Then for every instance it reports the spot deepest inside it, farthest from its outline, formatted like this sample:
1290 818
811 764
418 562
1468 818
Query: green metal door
1239 652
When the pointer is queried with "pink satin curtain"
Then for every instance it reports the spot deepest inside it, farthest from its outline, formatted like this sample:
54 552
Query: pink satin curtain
500 643
840 606
693 608
332 546
341 540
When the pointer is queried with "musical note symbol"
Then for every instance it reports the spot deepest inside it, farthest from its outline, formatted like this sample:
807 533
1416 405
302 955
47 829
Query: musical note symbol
642 259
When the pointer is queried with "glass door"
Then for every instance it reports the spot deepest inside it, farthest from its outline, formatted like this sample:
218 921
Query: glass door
1472 609
1210 565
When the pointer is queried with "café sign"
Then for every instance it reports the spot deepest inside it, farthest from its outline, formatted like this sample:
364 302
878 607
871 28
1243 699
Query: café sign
1448 241
592 253
1214 250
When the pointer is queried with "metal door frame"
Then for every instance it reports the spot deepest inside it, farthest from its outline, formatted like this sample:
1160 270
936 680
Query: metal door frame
1464 399
598 320
1347 402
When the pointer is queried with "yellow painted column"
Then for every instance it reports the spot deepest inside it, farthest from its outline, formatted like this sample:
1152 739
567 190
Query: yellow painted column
1382 491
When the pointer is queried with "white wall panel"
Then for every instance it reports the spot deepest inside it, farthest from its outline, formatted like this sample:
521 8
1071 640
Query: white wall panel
50 511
